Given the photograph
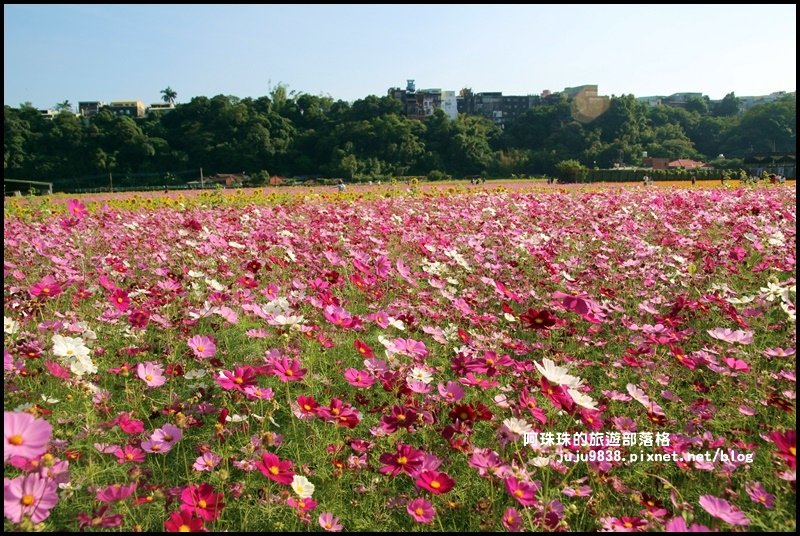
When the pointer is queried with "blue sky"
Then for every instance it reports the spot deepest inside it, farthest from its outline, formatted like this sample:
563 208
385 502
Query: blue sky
121 52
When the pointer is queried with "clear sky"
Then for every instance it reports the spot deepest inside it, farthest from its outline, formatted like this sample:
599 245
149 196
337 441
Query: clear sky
54 53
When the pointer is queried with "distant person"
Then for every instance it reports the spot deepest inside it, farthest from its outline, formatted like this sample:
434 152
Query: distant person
341 186
694 180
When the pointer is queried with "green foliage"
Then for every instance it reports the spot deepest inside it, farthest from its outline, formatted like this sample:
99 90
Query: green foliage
299 134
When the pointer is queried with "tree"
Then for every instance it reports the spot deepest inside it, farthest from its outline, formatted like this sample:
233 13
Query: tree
169 95
65 106
728 106
572 171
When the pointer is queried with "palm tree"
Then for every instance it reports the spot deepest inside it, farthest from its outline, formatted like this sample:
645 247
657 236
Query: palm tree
169 95
65 106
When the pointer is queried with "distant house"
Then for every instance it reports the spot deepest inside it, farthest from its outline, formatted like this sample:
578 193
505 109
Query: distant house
229 180
127 108
656 162
685 163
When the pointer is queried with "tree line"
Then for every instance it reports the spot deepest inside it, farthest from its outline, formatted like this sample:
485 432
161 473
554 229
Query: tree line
296 134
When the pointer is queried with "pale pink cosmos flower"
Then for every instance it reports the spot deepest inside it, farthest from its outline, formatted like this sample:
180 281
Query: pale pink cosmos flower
728 335
29 495
512 521
152 373
722 509
207 462
202 346
330 523
24 435
421 510
358 378
678 524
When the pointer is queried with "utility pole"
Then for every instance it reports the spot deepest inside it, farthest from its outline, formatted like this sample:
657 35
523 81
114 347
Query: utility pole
202 181
110 182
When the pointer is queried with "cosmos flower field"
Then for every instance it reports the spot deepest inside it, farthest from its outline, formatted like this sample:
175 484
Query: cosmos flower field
617 359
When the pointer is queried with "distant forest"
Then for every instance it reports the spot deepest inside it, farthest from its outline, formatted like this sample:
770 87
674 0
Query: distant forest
292 134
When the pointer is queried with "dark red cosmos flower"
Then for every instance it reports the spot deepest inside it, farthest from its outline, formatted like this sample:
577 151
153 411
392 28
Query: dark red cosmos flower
407 459
533 319
363 348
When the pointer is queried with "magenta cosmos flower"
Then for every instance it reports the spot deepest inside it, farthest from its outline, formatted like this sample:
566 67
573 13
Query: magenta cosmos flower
30 495
421 510
47 287
24 435
273 468
435 482
287 370
202 346
202 502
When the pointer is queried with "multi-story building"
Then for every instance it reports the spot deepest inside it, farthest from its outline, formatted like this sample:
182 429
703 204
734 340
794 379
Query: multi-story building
159 107
89 108
127 108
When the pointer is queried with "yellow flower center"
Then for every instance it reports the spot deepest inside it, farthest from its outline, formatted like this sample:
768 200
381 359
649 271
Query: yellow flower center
307 407
184 528
46 290
402 460
793 451
328 525
27 500
15 440
518 492
120 300
274 470
628 525
238 381
289 372
201 503
419 511
401 417
148 377
200 348
435 484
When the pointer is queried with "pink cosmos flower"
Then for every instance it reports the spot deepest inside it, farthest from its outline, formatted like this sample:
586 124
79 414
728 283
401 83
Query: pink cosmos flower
329 523
722 509
512 521
76 208
358 378
237 379
273 468
254 392
202 346
129 453
758 494
678 524
184 522
303 505
115 492
524 492
207 462
407 459
24 435
28 495
98 519
739 336
452 392
435 482
787 446
421 510
287 370
47 287
120 300
128 425
202 502
152 373
623 524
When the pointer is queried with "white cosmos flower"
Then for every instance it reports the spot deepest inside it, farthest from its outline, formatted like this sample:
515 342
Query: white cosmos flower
302 486
540 461
69 347
517 426
584 401
81 365
10 325
419 374
194 374
557 375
